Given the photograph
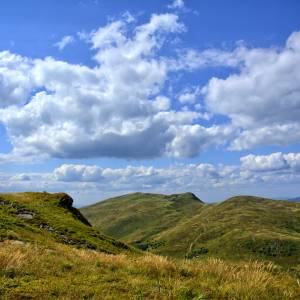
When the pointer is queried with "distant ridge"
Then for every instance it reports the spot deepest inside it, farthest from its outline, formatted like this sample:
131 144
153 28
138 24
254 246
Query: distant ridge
139 216
181 225
296 199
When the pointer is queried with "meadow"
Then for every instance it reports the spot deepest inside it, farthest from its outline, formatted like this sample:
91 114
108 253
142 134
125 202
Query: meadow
49 250
31 271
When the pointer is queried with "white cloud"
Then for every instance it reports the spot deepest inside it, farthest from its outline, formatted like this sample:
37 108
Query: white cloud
124 106
66 40
112 34
20 177
77 173
256 174
263 99
176 4
15 80
191 139
192 59
272 162
275 134
116 109
83 36
293 160
161 103
189 96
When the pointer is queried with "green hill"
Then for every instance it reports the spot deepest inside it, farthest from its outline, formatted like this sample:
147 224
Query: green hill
140 218
238 228
45 218
48 250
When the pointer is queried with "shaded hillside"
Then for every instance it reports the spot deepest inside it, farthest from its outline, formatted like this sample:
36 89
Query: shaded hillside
240 227
140 217
49 218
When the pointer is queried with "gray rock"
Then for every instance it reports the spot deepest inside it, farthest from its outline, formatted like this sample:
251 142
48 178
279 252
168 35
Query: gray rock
17 242
25 215
47 227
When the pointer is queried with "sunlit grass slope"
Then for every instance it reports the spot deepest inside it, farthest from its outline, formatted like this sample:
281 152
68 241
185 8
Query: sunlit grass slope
34 271
47 218
239 228
48 250
140 217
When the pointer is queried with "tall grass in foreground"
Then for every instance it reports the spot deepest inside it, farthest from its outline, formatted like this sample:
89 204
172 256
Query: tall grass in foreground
62 272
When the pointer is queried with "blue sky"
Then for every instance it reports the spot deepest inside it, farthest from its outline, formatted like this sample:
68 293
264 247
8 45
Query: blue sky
100 98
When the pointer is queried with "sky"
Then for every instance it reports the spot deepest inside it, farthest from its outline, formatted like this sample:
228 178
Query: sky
100 98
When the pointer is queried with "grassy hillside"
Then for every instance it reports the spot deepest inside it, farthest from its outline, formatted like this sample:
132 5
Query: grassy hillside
66 273
138 218
48 250
239 228
49 218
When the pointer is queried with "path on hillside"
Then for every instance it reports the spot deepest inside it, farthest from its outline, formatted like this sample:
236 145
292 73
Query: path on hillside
197 238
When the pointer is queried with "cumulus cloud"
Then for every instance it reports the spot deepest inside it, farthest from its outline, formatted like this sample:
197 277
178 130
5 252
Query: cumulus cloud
263 98
116 109
276 134
189 141
189 96
161 103
15 80
66 40
129 179
254 172
124 106
77 173
272 162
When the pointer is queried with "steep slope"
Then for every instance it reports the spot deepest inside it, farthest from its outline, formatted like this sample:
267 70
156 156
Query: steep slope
239 228
46 219
137 218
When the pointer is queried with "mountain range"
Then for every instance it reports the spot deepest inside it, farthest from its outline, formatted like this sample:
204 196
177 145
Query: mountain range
182 225
242 248
295 199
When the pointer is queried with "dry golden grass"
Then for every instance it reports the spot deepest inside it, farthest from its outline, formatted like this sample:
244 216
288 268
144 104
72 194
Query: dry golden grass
62 272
